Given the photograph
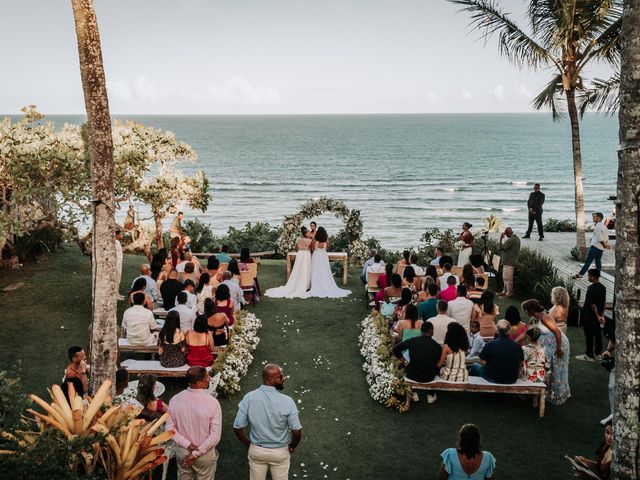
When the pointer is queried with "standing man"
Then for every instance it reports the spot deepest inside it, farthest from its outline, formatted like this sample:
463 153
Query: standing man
535 202
77 367
175 230
510 247
275 429
597 246
196 419
592 317
119 259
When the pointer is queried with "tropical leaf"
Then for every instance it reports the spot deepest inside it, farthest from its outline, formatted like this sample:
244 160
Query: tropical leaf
602 97
550 98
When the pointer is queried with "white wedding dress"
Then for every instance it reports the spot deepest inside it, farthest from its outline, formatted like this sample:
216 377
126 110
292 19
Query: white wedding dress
322 283
300 279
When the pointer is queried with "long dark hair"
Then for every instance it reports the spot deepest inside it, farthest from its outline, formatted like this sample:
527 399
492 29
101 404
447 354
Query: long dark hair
468 275
405 297
245 255
456 337
388 270
407 257
171 324
209 307
223 292
233 267
409 273
138 286
145 388
204 279
321 235
486 299
512 315
411 313
469 441
432 272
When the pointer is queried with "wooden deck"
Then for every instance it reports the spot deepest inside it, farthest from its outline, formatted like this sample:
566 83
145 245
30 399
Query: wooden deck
557 247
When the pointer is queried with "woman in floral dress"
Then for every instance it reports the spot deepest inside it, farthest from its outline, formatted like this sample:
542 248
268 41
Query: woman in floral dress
556 347
534 368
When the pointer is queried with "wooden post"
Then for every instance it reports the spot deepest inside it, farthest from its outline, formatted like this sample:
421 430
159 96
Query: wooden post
345 269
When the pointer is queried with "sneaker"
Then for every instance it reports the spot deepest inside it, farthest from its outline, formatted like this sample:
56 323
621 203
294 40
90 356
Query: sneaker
598 358
527 236
541 239
604 421
415 397
585 358
431 398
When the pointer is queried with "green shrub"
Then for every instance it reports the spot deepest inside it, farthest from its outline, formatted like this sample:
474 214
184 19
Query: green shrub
535 276
40 242
555 225
202 237
259 237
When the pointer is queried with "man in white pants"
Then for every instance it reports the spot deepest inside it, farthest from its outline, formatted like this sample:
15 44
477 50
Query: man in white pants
275 429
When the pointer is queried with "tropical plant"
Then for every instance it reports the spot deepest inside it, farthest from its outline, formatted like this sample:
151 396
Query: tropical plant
565 37
555 225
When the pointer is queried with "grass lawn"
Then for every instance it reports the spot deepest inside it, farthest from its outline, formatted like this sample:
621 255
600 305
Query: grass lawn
316 343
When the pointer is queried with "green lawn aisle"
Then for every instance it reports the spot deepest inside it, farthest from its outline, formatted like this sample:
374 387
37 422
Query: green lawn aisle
316 343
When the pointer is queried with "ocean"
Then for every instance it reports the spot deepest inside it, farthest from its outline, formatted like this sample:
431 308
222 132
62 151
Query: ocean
404 172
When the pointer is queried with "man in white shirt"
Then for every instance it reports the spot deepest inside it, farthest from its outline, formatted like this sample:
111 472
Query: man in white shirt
440 322
237 295
372 257
187 315
139 323
192 298
597 246
446 273
377 266
152 287
476 342
460 309
417 269
184 259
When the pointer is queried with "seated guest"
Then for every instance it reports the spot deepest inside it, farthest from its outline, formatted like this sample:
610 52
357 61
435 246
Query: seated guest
383 282
534 367
368 262
414 263
172 352
152 408
468 279
185 258
235 292
223 256
192 298
477 291
602 466
450 292
140 286
204 290
244 264
429 308
217 322
223 302
431 272
444 259
518 327
477 261
122 382
157 262
468 461
405 299
393 292
189 273
213 269
441 322
140 323
404 261
151 288
409 327
486 312
163 275
499 360
175 251
409 279
187 315
77 367
446 273
460 308
452 359
476 342
170 289
378 266
436 261
234 269
199 344
424 354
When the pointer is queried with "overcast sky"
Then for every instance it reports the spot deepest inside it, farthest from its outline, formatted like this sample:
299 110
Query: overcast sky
263 56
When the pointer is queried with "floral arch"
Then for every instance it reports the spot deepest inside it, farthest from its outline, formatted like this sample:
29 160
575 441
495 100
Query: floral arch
313 208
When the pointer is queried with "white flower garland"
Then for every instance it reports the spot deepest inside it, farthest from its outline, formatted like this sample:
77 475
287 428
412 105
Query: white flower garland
236 358
386 382
313 208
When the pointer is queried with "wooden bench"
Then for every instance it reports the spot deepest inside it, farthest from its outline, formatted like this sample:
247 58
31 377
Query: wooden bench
125 346
478 384
139 367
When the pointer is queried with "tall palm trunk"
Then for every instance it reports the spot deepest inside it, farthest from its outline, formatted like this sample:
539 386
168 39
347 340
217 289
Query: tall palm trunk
103 332
581 242
626 446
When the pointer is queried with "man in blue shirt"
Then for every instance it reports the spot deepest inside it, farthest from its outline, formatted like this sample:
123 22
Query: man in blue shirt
152 287
428 308
275 429
223 256
363 276
499 360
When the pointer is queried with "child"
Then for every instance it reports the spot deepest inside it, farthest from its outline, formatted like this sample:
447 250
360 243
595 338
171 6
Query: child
476 342
535 361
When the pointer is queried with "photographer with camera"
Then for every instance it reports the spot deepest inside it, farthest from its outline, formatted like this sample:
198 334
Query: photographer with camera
509 246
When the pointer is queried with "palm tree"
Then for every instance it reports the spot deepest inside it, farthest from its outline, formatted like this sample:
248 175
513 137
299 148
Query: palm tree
104 346
626 447
565 36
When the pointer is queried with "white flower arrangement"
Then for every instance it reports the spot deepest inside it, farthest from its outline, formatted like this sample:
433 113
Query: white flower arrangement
234 361
386 381
459 245
313 208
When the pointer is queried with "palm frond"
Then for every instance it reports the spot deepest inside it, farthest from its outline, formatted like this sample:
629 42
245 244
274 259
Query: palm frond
603 96
606 47
550 98
520 48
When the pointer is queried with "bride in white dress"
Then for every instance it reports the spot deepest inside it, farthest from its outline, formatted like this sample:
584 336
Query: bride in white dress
300 279
322 283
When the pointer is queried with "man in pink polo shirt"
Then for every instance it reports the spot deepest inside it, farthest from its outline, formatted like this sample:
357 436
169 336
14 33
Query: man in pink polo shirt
197 420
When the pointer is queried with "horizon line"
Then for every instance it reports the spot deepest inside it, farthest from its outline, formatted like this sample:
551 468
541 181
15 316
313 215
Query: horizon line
301 114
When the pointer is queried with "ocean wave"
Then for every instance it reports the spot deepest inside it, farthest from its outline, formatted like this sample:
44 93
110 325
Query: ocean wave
519 182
